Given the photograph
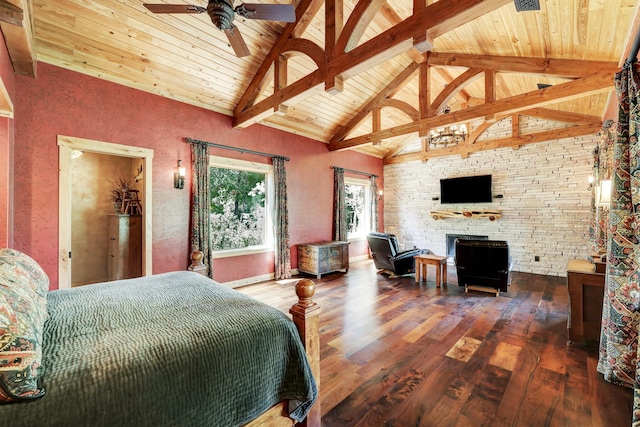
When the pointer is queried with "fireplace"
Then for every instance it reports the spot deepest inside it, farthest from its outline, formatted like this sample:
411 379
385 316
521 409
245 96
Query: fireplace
451 241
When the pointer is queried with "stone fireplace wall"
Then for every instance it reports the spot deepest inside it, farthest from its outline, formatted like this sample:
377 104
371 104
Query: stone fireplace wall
545 205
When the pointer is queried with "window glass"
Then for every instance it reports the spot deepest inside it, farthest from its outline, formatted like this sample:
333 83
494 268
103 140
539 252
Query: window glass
357 201
240 204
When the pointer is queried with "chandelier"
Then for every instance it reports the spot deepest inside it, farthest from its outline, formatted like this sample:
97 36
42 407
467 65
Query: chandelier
450 135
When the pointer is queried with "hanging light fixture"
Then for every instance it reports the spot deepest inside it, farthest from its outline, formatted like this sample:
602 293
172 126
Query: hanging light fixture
450 135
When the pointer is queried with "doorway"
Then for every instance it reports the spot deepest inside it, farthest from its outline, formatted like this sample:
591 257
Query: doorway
140 160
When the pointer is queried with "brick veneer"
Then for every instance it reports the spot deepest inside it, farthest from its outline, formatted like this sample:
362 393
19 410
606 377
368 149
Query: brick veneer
545 208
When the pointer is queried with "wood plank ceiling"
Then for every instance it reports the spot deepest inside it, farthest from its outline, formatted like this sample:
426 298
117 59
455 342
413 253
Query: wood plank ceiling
372 75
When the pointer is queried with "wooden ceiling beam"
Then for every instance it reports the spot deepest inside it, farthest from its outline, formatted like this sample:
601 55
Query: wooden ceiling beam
16 23
10 13
399 81
569 68
475 133
450 91
514 142
394 19
289 30
358 21
406 108
562 92
399 38
424 90
560 116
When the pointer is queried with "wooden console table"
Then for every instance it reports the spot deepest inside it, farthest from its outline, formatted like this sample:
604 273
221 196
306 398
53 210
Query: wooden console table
586 291
323 257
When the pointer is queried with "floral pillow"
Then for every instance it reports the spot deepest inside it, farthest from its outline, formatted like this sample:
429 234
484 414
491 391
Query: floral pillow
25 271
23 311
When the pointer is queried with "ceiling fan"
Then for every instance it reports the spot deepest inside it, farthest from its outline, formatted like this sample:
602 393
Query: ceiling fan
222 14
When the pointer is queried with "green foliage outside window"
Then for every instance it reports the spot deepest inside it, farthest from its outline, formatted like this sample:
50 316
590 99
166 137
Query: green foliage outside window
355 201
237 208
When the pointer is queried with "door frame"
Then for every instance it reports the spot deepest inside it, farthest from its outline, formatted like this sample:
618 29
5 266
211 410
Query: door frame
67 144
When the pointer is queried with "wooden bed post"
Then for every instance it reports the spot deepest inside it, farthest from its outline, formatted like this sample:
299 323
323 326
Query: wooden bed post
306 316
197 266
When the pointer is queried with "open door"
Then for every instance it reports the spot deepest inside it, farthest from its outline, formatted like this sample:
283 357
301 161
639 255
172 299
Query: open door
69 145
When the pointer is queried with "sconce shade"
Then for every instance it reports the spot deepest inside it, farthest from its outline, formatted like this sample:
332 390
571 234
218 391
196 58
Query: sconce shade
604 192
178 177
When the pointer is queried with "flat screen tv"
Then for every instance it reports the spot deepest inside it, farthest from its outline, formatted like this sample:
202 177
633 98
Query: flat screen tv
466 189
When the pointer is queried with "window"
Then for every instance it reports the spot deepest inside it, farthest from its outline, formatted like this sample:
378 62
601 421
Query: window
241 206
358 202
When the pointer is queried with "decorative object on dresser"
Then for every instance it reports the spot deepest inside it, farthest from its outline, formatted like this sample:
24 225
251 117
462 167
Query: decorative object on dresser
124 259
319 258
586 291
125 197
387 256
483 265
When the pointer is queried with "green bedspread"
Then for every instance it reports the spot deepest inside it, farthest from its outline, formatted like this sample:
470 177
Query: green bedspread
174 349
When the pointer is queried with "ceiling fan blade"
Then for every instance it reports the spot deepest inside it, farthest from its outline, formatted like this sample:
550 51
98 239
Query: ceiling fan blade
174 8
237 42
269 12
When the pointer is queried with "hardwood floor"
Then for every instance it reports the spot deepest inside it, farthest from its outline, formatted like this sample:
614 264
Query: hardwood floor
397 353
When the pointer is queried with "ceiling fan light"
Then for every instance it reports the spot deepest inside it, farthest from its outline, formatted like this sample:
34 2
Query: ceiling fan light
221 14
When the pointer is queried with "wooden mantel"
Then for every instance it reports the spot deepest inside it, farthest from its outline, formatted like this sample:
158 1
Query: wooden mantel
492 215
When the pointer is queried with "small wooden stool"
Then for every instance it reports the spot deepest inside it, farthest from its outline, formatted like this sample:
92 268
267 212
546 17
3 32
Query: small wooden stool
440 263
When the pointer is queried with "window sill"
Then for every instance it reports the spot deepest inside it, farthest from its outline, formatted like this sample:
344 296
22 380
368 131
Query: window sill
241 252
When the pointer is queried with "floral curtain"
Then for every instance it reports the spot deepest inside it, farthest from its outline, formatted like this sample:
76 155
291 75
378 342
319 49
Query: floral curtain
339 206
200 204
618 359
374 202
283 256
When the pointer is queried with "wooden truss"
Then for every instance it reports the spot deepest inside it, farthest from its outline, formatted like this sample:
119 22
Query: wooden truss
342 57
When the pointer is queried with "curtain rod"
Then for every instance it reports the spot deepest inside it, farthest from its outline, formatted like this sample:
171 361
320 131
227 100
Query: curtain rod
353 171
227 147
633 55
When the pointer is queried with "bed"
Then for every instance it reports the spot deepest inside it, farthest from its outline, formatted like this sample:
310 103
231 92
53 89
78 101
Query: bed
165 350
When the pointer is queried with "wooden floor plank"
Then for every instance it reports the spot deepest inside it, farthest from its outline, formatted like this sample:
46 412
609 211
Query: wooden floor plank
384 344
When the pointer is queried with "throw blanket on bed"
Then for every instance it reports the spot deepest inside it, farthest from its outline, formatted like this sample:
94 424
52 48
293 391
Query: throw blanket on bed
175 349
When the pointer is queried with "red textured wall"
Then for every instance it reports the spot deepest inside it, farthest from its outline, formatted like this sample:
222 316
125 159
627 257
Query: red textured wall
6 153
61 102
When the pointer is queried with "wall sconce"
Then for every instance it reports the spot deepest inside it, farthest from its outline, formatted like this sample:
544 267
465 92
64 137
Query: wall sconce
590 181
604 196
178 177
379 195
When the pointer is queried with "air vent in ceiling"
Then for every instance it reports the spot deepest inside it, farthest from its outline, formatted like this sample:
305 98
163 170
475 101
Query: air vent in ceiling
524 5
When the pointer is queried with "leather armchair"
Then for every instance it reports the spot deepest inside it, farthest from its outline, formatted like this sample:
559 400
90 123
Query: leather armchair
387 256
484 263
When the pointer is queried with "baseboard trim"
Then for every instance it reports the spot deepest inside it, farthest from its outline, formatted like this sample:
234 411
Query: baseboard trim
255 279
271 276
359 258
249 280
